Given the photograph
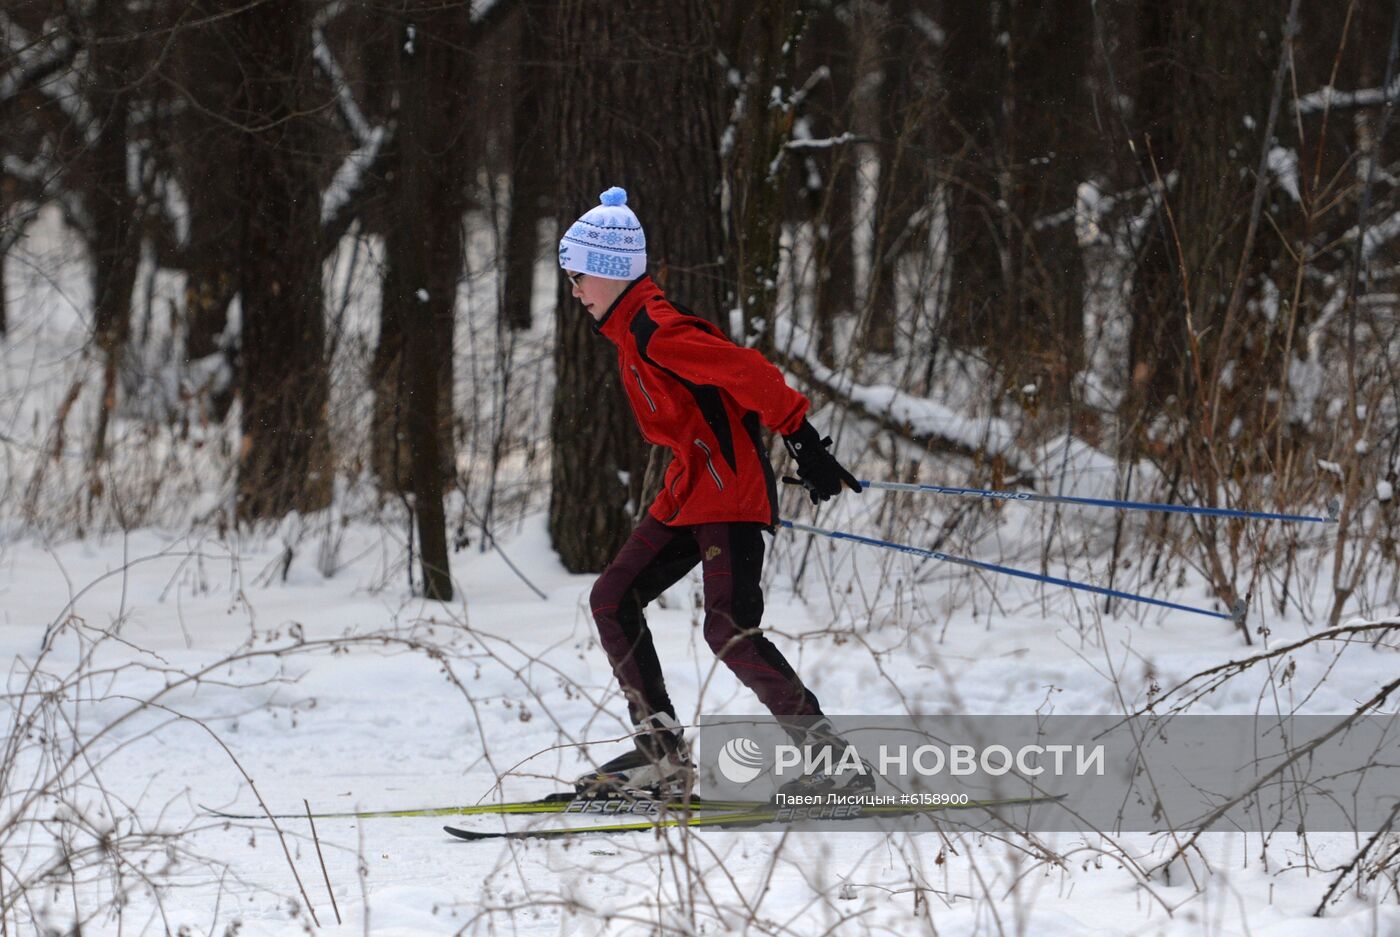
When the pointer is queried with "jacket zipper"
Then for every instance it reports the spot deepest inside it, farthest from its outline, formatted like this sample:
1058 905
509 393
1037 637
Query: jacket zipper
675 498
709 463
642 387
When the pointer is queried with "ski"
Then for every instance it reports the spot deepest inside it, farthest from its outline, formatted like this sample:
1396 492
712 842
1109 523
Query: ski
560 802
752 816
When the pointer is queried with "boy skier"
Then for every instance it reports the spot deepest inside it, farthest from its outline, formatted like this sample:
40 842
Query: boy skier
703 397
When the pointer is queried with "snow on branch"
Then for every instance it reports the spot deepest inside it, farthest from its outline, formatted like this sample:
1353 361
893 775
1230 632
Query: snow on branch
917 419
327 13
1327 97
917 221
1091 205
1283 163
350 112
43 70
482 9
34 171
32 69
350 175
819 74
1377 236
349 180
927 27
369 139
825 143
14 228
39 175
1308 377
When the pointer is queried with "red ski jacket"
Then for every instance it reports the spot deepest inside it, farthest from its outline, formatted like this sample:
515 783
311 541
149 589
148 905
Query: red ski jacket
703 397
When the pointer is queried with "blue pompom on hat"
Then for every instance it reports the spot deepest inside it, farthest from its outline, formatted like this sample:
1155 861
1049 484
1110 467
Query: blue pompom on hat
607 241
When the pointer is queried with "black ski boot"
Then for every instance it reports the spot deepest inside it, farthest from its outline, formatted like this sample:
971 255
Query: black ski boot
658 766
833 771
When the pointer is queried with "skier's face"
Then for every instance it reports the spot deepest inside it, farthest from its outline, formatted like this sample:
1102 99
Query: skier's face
596 293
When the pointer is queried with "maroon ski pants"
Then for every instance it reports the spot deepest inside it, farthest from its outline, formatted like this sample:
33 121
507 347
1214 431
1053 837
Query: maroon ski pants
657 556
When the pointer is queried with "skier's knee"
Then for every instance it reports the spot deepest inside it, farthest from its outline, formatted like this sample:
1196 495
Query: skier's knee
605 597
719 633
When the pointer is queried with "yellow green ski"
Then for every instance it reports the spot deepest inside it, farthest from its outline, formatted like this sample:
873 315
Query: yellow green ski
751 815
562 802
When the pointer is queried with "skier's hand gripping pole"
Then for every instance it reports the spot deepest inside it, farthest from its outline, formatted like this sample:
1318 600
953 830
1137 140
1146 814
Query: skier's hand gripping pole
817 469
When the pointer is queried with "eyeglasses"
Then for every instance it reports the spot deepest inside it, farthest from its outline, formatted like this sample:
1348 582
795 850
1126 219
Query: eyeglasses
573 277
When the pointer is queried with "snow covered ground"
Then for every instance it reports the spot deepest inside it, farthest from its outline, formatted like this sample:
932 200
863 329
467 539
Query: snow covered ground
427 704
191 665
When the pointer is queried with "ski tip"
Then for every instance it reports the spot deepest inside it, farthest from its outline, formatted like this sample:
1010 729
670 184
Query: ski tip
468 834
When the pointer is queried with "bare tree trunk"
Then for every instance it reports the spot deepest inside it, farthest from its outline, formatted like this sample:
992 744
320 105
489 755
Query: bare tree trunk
533 168
389 450
422 222
973 75
1050 147
1201 118
211 274
424 245
828 175
207 73
757 163
624 72
390 457
1017 119
285 454
902 128
116 247
1157 341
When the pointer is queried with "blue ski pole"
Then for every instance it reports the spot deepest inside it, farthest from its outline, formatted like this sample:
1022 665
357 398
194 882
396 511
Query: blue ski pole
1235 614
1332 509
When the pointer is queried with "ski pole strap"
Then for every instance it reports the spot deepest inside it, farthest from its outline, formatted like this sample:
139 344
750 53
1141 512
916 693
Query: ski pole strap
1333 508
1236 614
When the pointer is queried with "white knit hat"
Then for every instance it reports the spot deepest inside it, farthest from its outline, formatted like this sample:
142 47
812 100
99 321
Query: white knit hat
607 241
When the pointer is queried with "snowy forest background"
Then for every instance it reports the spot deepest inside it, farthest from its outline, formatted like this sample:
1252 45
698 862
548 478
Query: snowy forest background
306 454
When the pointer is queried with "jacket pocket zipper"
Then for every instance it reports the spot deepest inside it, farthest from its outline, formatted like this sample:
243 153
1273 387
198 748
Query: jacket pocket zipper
709 463
643 388
675 498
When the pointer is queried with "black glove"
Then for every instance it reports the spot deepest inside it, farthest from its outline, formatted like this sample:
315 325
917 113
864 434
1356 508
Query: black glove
817 469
